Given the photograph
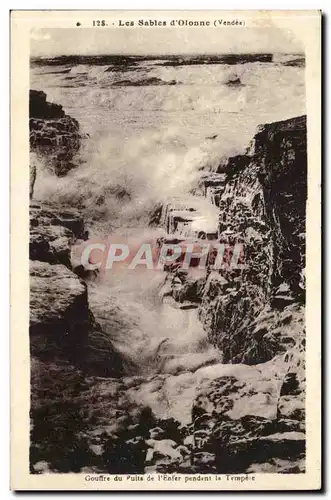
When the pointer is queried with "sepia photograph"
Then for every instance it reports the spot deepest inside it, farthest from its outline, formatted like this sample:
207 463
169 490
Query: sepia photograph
168 195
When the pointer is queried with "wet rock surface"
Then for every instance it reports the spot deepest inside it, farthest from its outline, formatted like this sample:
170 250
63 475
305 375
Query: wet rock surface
54 136
59 308
66 343
53 232
263 205
58 311
256 315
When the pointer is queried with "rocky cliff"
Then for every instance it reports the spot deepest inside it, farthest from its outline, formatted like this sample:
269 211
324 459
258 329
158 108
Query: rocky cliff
66 343
253 419
263 205
61 324
53 134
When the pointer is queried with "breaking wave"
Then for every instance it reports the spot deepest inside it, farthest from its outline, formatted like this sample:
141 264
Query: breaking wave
149 141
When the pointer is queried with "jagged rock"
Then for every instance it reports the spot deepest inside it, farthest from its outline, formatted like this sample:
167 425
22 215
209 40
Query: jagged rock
185 289
291 385
251 418
164 451
49 242
165 455
73 221
67 345
41 467
40 248
53 134
157 433
59 240
263 203
278 466
282 296
242 418
101 358
40 108
58 390
240 455
292 407
58 311
234 164
52 234
204 461
243 391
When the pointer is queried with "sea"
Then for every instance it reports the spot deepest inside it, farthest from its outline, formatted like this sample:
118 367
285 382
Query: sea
151 126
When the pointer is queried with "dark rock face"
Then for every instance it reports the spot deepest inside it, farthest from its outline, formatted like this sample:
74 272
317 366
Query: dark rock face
58 312
58 301
256 315
282 155
264 205
40 108
67 345
53 134
252 418
246 423
52 234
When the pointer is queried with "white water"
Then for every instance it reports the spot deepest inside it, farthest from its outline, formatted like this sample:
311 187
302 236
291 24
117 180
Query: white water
152 140
146 144
154 336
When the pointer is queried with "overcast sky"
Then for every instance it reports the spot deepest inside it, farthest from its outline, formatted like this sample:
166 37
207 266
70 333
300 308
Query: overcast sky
144 41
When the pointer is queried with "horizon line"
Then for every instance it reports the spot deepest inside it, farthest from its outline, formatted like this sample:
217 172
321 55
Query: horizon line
170 54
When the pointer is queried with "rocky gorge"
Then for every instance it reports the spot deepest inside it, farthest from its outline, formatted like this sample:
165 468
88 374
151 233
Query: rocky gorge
245 414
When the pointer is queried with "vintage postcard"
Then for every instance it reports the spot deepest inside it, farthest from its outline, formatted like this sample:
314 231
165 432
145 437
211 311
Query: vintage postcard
165 250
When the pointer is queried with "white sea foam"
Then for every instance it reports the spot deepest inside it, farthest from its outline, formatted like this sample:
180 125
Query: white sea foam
148 144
